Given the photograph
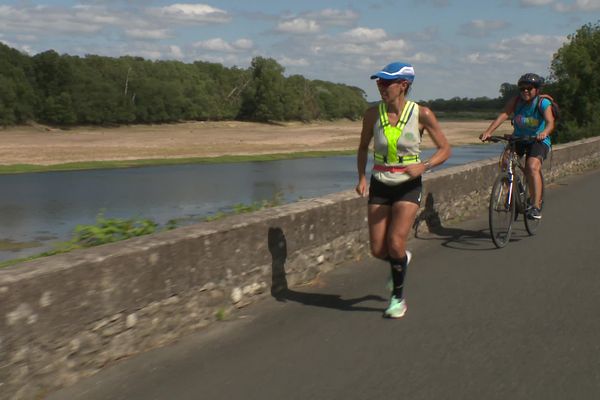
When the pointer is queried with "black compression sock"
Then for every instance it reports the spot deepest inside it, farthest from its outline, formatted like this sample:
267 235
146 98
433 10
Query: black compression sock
398 267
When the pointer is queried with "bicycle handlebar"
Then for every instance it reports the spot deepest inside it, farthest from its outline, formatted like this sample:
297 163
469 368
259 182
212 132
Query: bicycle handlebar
511 139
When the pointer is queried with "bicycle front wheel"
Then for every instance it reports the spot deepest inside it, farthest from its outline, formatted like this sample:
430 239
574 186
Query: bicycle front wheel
502 211
532 225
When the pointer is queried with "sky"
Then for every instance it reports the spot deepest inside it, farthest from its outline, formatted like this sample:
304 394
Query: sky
464 48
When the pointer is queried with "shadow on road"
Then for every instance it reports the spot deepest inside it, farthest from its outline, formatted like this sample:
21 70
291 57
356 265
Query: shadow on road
454 238
281 292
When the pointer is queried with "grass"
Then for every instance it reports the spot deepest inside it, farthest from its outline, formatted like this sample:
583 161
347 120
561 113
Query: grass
106 230
242 208
89 165
221 314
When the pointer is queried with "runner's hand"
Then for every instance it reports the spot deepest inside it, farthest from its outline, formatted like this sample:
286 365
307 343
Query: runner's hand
414 170
361 188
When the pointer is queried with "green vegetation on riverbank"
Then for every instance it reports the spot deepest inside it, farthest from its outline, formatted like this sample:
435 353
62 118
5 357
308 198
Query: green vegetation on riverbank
109 230
88 165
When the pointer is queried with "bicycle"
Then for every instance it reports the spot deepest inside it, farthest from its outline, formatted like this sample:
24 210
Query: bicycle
506 203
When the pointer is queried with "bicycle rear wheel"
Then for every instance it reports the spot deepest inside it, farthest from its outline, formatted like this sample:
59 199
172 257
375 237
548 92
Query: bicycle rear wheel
501 211
532 225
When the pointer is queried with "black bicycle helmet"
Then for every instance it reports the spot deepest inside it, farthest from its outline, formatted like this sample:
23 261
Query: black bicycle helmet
532 79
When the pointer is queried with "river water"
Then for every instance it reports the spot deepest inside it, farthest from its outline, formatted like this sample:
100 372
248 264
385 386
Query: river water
40 209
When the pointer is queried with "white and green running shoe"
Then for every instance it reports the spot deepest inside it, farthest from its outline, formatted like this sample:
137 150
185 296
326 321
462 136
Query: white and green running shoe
396 309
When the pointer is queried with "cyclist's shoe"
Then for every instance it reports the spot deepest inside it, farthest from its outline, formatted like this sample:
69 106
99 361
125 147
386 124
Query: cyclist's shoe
396 309
390 282
534 213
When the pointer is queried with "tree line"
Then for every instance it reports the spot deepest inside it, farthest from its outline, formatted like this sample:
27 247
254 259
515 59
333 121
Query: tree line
69 90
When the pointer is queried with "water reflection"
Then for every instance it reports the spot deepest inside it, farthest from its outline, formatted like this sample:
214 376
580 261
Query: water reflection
43 208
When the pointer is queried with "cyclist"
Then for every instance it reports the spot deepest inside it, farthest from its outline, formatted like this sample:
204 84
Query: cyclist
531 117
395 186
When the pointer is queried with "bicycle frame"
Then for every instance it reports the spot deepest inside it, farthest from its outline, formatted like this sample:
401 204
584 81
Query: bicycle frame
512 162
505 202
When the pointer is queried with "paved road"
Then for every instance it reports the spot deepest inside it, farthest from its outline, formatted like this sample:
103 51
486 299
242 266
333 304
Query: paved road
518 323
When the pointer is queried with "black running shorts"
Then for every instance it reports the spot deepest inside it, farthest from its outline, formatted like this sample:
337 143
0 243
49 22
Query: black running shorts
380 193
535 149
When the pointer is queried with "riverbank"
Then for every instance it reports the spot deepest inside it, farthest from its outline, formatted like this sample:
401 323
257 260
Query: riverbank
37 147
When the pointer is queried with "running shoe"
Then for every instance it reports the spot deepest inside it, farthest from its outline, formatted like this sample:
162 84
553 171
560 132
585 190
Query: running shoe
534 213
396 309
390 282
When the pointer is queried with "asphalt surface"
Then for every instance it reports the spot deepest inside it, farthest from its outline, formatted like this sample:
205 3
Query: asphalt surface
522 322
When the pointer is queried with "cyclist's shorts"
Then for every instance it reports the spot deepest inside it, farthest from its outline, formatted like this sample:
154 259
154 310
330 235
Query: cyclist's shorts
535 149
380 193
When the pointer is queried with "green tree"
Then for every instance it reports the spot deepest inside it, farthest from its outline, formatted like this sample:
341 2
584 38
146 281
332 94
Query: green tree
300 99
59 109
17 97
576 72
263 99
508 91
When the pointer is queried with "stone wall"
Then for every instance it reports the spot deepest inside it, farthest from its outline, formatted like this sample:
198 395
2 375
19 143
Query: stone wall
65 317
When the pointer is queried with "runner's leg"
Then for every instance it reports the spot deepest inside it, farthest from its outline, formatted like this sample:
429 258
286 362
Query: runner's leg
379 217
403 217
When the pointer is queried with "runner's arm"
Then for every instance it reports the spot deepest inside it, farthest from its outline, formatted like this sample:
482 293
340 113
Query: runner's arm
429 122
362 154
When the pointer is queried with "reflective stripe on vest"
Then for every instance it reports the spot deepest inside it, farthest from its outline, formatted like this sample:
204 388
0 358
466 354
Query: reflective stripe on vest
393 133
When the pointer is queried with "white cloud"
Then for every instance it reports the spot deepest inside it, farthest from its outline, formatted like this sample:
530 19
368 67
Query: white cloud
481 28
424 58
394 46
293 62
578 5
521 50
330 16
45 21
147 34
298 26
364 35
221 45
347 48
243 44
49 20
202 13
530 43
216 44
488 58
175 52
535 3
96 15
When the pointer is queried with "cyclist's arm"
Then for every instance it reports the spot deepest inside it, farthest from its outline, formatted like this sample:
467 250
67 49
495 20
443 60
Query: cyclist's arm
362 154
509 109
429 122
549 118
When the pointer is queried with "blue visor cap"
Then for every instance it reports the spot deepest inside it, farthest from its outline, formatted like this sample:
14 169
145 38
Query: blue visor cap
396 70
